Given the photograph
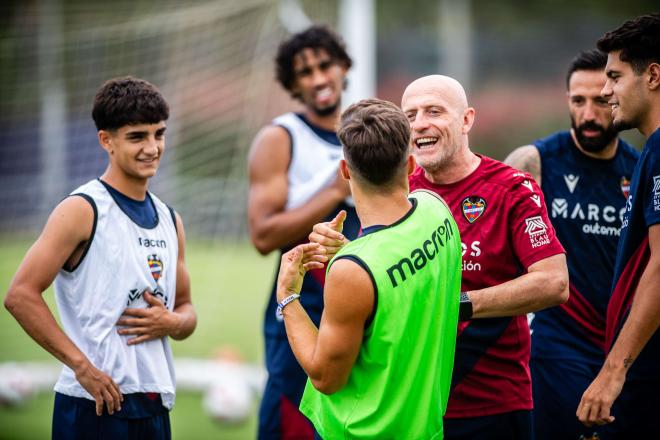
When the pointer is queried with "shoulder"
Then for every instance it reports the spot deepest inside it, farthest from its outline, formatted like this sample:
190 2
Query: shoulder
526 158
503 177
653 143
271 147
553 143
627 150
425 195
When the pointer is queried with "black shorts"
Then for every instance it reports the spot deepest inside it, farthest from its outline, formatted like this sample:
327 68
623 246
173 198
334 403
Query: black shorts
141 418
515 425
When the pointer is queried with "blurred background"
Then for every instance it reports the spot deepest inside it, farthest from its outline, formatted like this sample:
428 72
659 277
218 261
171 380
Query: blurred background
213 61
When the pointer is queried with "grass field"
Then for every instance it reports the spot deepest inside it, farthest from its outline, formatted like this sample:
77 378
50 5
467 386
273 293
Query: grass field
230 284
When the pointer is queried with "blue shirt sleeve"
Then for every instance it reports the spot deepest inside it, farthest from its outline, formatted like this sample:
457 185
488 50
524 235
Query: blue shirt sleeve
652 182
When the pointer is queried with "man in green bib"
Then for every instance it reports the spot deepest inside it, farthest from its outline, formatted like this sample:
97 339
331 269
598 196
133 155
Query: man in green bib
380 363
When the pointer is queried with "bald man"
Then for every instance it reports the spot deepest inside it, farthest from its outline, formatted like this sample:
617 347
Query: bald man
513 263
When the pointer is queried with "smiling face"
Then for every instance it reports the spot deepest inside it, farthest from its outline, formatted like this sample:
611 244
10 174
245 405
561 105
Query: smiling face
439 118
591 116
135 150
319 81
624 92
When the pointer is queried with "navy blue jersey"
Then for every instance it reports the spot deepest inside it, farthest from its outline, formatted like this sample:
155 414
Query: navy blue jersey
586 200
633 253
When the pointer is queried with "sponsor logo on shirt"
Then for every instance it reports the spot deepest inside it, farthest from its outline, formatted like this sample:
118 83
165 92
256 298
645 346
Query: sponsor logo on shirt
656 193
149 242
421 255
559 208
536 199
537 231
473 251
473 208
571 181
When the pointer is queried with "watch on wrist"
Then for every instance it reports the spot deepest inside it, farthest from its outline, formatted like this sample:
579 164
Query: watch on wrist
464 307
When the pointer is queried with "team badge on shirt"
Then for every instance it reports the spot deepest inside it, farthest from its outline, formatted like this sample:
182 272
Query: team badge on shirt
156 266
473 208
625 186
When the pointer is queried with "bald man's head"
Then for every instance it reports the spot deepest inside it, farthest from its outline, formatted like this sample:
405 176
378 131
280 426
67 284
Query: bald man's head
445 87
436 108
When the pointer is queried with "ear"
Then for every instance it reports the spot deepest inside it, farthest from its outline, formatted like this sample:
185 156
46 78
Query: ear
105 140
653 71
343 169
411 164
468 120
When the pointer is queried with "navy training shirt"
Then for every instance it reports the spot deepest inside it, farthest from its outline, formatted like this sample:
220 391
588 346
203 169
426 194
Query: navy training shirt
633 253
586 200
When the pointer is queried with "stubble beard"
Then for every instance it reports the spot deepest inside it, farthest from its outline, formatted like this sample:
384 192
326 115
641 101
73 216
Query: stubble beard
439 162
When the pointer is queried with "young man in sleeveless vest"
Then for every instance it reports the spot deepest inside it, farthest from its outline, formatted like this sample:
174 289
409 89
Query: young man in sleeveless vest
585 177
379 364
115 254
294 183
626 392
513 263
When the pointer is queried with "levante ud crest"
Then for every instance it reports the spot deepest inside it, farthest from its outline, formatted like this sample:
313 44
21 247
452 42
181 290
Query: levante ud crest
625 186
156 266
473 208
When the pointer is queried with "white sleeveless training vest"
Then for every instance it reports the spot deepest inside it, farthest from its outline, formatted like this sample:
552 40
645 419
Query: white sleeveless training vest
314 162
122 261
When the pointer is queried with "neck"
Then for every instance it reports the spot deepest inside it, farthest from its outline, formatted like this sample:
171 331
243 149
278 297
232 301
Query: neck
382 208
457 168
328 122
606 153
651 123
131 187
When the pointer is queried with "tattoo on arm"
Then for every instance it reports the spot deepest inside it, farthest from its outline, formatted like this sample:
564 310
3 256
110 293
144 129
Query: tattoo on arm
627 362
526 159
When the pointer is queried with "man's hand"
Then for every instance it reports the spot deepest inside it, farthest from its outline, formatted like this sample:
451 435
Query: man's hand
293 266
151 323
597 400
101 386
329 236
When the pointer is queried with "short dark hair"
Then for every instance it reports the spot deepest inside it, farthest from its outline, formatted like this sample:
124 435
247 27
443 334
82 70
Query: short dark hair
128 101
586 60
375 135
637 39
315 37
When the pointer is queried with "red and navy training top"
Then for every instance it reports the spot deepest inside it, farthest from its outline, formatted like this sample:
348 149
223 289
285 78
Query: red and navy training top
504 227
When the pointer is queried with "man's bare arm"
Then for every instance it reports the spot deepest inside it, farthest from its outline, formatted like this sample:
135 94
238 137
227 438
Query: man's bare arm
327 354
157 321
528 159
640 325
544 285
68 228
271 225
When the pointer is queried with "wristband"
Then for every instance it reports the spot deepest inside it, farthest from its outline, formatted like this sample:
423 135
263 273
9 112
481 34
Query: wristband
464 307
285 301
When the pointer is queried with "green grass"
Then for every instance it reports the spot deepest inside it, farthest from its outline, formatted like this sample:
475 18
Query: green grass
230 284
